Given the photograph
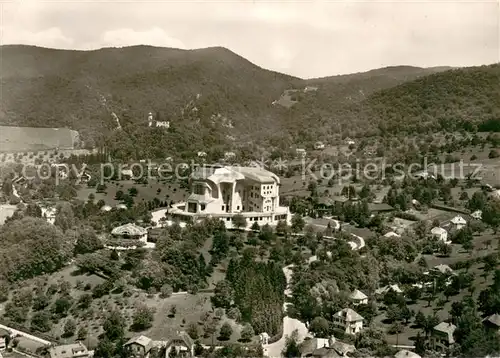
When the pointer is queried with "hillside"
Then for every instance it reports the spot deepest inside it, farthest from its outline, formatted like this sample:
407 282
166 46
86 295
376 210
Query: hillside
214 98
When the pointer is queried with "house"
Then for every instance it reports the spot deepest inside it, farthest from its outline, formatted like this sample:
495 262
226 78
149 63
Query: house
126 174
138 347
349 141
319 145
264 338
443 270
301 153
492 322
478 214
182 345
130 231
391 234
229 155
440 234
403 353
442 336
310 89
227 191
358 298
458 222
202 154
106 208
325 348
75 350
4 338
385 289
49 213
348 320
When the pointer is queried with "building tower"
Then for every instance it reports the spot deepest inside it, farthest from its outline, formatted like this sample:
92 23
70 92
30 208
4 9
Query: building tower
150 119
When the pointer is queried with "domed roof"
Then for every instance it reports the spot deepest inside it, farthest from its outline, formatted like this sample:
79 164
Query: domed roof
129 230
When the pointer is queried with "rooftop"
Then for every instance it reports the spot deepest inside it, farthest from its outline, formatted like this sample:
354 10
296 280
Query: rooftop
349 315
129 230
358 295
68 351
447 328
494 319
143 341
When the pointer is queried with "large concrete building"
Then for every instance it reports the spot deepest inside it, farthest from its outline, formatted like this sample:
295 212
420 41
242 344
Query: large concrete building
225 192
19 139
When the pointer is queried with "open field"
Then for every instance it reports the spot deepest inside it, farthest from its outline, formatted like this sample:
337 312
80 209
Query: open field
146 192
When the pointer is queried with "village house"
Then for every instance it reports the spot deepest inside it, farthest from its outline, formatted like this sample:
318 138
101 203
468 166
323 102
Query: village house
358 298
440 234
442 337
75 350
229 155
443 270
226 192
201 154
493 322
325 348
383 290
181 346
106 208
458 222
130 231
478 214
138 347
348 320
4 339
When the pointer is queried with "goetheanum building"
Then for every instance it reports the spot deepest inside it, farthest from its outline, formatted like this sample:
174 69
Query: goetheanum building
224 192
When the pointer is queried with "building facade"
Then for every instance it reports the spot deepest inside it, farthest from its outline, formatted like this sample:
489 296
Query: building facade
224 192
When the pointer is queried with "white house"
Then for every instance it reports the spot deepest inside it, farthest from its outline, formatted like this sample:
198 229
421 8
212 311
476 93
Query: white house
319 145
385 289
139 346
226 191
182 345
349 320
440 234
75 350
458 222
358 298
478 215
202 154
264 338
229 155
442 336
392 234
131 231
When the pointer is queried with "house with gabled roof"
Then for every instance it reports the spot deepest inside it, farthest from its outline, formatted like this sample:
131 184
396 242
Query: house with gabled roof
138 347
442 336
348 320
385 289
458 222
440 234
358 298
181 344
492 322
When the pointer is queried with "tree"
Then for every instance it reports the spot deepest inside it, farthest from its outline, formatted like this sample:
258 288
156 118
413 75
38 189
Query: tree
225 332
239 221
223 294
493 154
143 318
114 326
69 328
255 226
192 331
281 228
166 291
41 322
320 327
247 332
82 333
87 241
291 349
297 223
65 217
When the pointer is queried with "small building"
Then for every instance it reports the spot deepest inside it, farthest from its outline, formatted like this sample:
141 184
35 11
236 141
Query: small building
358 298
131 231
478 214
404 353
76 350
443 270
229 155
4 338
121 207
300 152
458 222
319 146
138 347
202 154
385 289
348 320
325 348
391 234
349 141
378 208
182 345
492 322
106 208
442 336
264 338
440 234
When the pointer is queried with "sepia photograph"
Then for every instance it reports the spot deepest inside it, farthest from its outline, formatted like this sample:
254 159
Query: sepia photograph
249 178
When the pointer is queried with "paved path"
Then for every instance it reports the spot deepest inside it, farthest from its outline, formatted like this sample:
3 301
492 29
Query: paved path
289 324
15 332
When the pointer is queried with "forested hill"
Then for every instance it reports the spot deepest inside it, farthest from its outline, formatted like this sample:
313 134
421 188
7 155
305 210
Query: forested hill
455 99
215 99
